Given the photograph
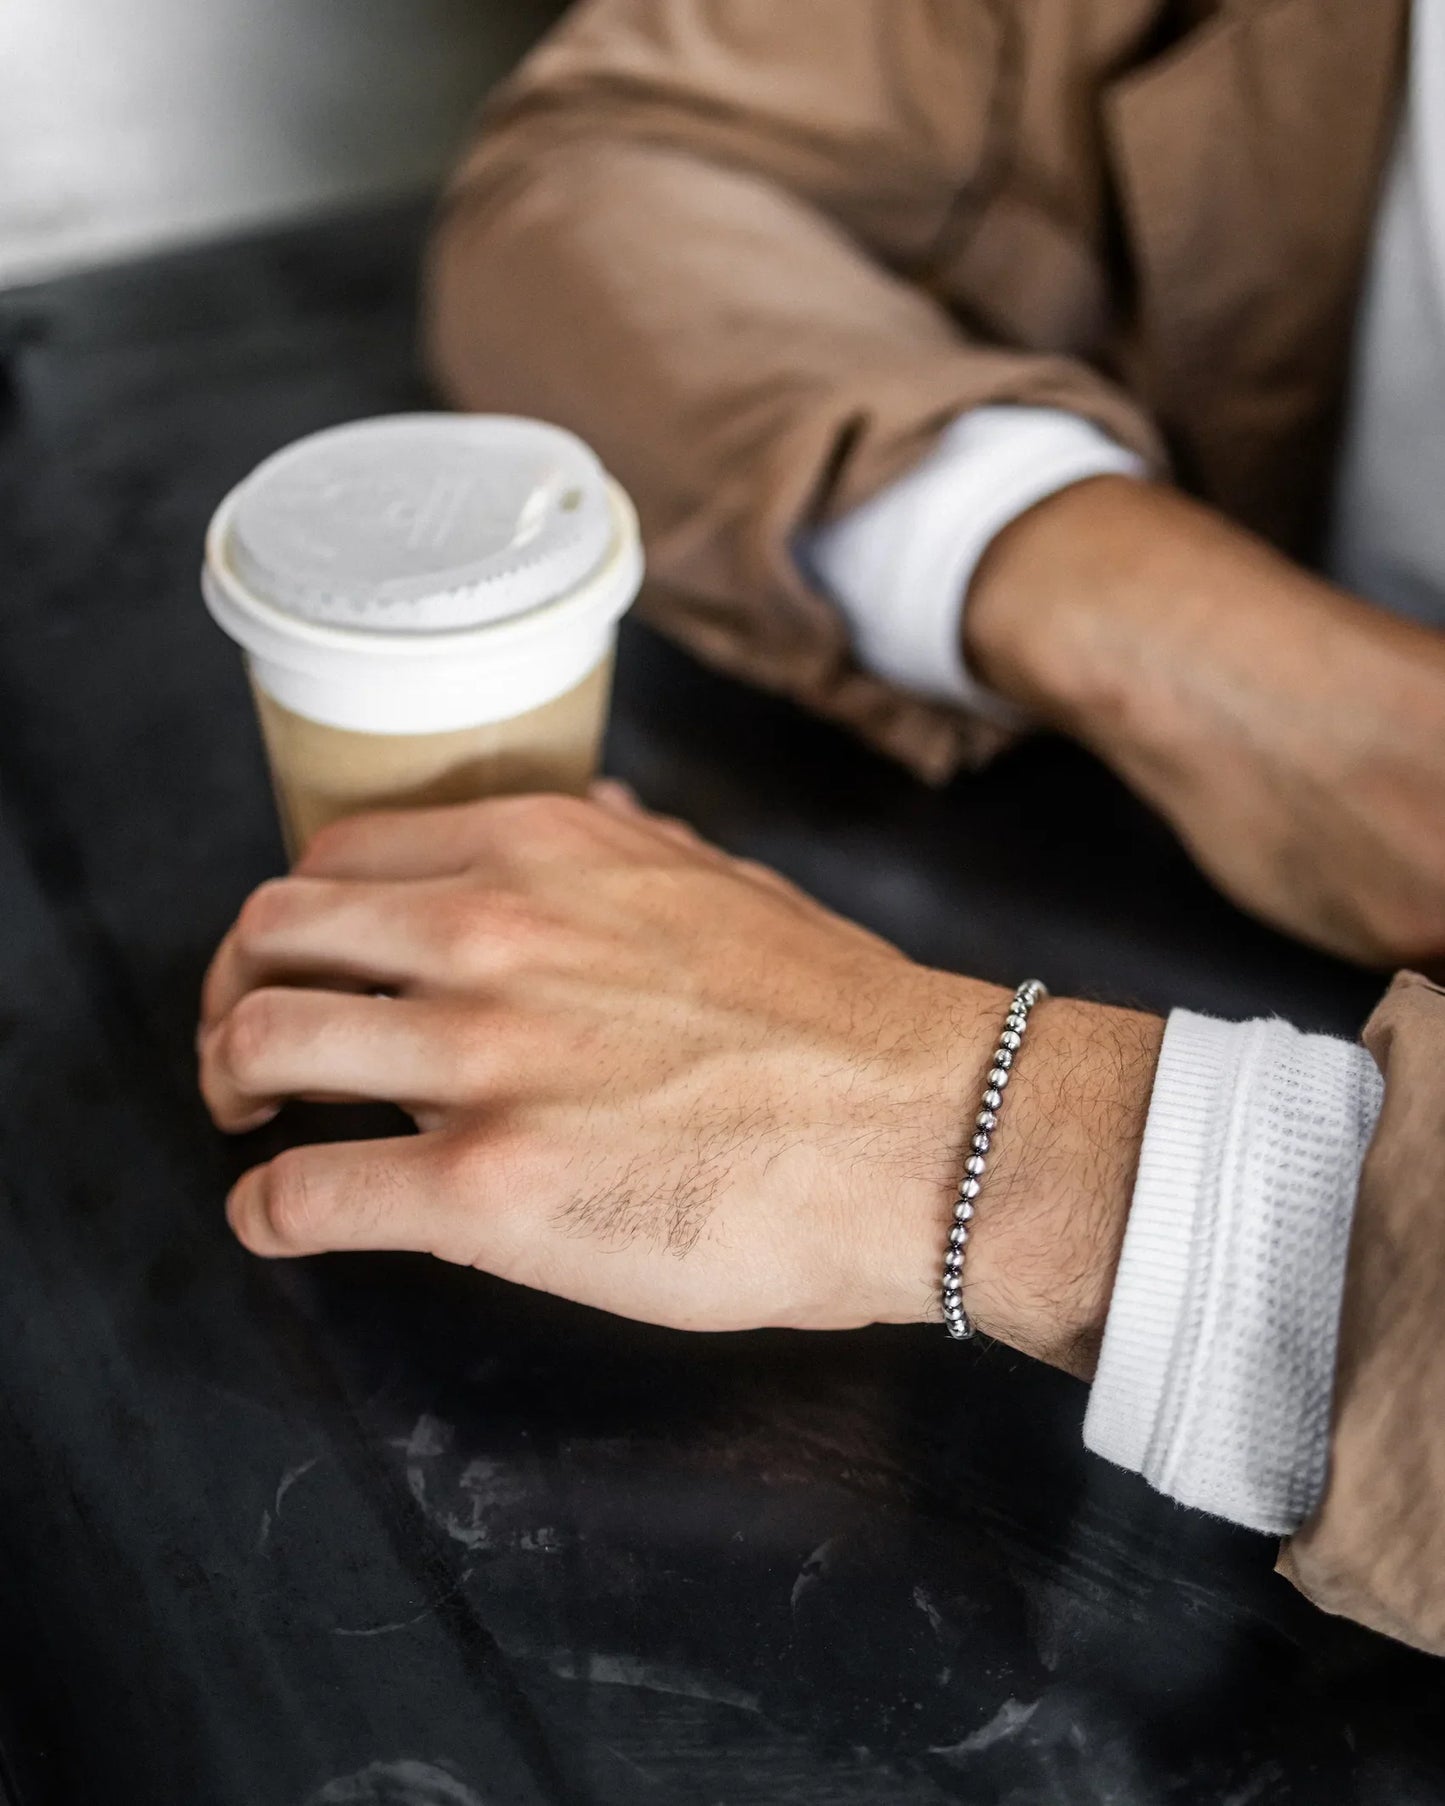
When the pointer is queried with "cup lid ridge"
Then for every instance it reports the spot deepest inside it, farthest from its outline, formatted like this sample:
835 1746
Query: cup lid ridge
422 523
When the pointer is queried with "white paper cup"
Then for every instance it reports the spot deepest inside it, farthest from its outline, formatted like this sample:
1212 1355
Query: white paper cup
428 606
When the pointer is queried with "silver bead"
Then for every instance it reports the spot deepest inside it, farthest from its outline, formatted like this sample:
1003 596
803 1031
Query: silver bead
1017 1020
963 1211
993 1097
951 1287
980 1142
958 1332
1003 1057
974 1165
953 1262
986 1119
957 1236
968 1188
1011 1039
997 1078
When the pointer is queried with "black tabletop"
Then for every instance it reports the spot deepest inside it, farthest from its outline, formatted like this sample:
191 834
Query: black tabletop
372 1530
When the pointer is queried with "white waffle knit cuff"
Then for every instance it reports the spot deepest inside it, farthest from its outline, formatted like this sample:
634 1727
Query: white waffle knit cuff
899 565
1217 1368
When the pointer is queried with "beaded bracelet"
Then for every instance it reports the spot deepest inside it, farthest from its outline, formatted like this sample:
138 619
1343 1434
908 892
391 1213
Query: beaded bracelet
960 1324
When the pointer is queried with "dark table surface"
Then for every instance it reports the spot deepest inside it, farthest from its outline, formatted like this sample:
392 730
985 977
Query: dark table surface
370 1530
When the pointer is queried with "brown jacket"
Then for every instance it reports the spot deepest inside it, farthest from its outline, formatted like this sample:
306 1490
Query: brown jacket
759 252
1375 1550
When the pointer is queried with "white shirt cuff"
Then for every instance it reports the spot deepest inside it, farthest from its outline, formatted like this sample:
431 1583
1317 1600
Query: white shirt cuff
898 566
1217 1368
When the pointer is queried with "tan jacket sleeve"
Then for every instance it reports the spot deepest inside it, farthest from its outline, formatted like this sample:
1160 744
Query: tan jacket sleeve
1375 1550
701 233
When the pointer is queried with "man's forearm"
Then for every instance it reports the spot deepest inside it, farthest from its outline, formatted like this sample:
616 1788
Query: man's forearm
1293 735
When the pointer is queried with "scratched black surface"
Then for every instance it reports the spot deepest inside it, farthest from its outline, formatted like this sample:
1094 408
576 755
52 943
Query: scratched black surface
374 1531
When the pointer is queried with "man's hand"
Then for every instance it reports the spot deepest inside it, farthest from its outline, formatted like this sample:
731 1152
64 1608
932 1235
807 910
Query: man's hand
1293 735
660 1081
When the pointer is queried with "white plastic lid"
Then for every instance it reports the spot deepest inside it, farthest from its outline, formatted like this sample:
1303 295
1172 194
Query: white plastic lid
425 572
417 523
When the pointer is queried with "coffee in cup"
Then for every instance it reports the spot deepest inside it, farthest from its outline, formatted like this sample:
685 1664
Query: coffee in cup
428 607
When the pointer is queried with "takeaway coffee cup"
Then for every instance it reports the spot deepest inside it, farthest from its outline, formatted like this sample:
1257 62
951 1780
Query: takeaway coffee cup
427 605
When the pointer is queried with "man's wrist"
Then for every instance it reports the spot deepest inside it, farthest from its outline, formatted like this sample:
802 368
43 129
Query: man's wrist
1035 605
1055 1205
1055 1198
1099 609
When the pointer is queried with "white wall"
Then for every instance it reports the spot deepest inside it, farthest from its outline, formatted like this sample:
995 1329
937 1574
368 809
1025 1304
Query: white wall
128 124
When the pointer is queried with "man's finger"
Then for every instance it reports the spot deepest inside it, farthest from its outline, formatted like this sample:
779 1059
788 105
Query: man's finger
504 839
284 1042
397 1194
622 800
476 1201
290 929
494 835
361 936
394 844
613 794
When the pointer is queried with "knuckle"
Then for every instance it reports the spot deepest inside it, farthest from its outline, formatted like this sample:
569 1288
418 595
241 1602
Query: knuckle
326 845
675 828
262 913
474 1055
296 1210
458 929
250 1032
461 1173
546 816
491 1177
462 1163
487 931
508 928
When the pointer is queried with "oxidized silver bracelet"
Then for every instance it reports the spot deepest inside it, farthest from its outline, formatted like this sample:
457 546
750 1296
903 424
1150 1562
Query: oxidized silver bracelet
960 1324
